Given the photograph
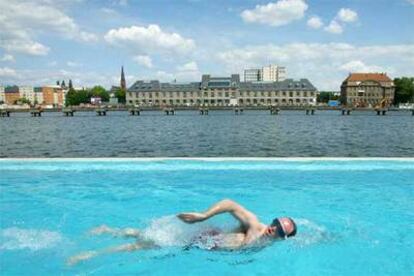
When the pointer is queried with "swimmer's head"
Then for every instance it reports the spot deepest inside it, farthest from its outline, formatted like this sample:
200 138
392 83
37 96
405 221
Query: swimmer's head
281 228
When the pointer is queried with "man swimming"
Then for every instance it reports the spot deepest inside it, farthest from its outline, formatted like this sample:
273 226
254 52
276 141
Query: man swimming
250 231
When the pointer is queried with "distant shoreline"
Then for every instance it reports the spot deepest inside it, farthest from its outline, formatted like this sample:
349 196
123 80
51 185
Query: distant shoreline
194 108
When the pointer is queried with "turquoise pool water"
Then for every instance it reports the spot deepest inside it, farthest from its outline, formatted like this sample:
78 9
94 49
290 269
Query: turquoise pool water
355 217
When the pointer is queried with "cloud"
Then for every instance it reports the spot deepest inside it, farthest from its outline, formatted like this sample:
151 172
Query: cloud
21 21
324 64
190 66
7 72
334 27
411 1
359 66
276 14
143 60
315 22
188 72
347 15
73 64
151 39
8 57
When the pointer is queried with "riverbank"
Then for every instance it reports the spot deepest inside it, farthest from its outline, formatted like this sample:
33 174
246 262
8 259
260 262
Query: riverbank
157 108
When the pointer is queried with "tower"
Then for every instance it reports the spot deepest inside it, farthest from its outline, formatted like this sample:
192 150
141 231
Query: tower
123 83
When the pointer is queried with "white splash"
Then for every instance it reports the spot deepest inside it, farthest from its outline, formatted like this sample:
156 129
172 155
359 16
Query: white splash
15 238
170 231
310 233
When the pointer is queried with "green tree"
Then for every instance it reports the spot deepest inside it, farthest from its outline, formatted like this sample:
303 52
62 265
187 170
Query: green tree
70 84
120 94
22 101
74 97
324 97
404 90
99 91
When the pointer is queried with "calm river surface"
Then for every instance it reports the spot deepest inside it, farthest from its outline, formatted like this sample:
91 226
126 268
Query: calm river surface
221 133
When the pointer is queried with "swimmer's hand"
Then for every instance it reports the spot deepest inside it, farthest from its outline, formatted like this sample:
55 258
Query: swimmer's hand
192 217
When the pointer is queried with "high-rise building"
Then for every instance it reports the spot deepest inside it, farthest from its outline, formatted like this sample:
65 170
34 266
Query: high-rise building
123 82
273 73
252 75
266 73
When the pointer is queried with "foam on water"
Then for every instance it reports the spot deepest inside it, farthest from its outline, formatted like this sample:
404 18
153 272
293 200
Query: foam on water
15 238
310 233
170 231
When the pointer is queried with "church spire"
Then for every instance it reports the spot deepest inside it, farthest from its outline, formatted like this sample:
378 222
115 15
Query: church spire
123 83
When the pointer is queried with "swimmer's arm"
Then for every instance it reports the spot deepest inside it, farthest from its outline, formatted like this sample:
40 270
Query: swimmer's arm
245 217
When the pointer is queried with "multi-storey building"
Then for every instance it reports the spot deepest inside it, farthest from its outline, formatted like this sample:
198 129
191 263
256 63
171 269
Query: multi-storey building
273 73
53 95
367 90
11 94
38 95
222 91
2 94
267 73
27 92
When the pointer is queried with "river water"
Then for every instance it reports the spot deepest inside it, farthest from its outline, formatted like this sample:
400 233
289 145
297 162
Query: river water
221 133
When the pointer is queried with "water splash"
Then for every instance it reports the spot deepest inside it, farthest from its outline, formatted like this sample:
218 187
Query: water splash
170 231
15 238
310 233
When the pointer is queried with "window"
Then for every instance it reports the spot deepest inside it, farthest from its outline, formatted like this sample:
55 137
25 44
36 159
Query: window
290 94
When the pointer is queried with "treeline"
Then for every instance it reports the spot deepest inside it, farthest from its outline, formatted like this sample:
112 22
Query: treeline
404 90
74 97
326 96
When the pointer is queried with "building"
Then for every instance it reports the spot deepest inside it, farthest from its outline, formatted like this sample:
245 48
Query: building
27 92
222 91
2 99
270 73
11 94
38 94
367 90
123 82
252 75
53 95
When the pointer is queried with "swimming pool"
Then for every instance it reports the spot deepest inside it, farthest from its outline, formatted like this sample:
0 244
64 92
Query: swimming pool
354 216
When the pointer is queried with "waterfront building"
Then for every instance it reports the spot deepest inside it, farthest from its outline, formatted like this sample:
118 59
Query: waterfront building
38 95
11 94
53 95
267 73
367 90
222 91
27 92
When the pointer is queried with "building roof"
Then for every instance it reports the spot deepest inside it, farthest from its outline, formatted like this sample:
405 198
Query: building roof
208 82
380 77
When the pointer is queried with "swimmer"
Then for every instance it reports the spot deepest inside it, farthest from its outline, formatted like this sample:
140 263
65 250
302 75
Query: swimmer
250 231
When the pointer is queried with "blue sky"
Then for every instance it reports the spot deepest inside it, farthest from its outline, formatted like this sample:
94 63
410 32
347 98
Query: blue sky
42 41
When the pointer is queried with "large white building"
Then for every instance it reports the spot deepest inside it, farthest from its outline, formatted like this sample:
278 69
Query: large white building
27 92
222 91
2 97
266 73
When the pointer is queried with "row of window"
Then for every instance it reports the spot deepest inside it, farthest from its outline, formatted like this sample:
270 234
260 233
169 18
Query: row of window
219 101
220 94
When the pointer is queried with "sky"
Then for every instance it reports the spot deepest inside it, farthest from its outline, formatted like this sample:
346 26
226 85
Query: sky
42 41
